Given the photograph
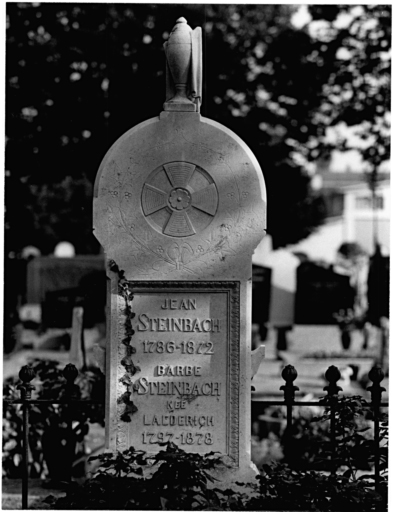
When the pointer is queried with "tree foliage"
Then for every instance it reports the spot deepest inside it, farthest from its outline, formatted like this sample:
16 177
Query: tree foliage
80 75
357 91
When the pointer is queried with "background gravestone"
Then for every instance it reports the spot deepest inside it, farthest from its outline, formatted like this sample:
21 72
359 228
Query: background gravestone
179 208
261 289
320 294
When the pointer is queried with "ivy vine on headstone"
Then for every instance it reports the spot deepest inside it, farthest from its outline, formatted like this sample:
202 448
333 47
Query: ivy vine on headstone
130 367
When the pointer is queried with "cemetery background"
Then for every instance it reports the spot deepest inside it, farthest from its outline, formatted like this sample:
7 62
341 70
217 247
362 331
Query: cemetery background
40 189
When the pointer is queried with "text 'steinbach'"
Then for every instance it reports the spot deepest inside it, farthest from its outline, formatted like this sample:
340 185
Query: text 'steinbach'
186 345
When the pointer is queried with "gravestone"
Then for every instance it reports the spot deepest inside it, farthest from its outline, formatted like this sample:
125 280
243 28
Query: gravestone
48 274
179 207
261 289
320 294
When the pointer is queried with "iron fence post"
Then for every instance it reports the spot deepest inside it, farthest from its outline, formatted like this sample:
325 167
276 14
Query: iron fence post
289 374
332 375
26 375
70 373
376 375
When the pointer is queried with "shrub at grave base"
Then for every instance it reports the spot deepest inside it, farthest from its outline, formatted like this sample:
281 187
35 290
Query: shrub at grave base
48 423
169 480
282 488
176 480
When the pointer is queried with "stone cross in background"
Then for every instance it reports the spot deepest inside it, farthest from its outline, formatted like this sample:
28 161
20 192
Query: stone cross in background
179 207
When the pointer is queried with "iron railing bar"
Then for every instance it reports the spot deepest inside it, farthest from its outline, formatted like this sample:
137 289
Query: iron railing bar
25 477
333 409
26 375
52 402
88 401
376 448
376 376
309 403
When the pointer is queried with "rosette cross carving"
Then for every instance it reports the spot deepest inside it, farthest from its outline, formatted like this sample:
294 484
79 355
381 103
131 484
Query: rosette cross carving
176 196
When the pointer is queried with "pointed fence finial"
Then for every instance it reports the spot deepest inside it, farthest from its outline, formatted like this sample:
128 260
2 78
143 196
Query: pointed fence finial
332 375
26 375
70 373
289 374
376 375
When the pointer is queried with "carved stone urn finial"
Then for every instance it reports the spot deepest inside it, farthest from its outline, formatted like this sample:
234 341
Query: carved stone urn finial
182 56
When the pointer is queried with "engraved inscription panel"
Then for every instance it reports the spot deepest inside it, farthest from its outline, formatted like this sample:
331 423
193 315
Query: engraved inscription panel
186 345
179 199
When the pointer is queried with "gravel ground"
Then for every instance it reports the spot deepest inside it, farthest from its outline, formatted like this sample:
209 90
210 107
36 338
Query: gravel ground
12 499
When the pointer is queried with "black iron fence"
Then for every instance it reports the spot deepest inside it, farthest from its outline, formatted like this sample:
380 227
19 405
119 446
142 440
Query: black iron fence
70 399
289 401
331 402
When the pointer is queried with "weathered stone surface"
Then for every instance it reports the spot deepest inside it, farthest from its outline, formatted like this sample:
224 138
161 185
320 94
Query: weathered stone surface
179 208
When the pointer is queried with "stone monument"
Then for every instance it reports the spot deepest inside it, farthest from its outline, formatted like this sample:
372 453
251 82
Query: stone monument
179 207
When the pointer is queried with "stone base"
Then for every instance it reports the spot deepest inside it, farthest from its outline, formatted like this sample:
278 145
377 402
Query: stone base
179 107
237 480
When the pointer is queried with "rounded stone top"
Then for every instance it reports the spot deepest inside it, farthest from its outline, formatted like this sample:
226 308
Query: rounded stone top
180 196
